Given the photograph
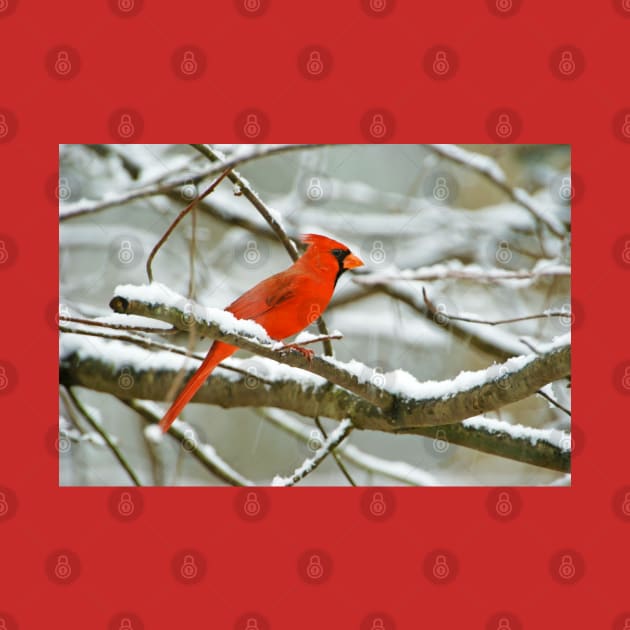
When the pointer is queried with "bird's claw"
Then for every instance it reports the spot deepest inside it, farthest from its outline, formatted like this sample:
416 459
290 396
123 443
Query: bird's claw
306 352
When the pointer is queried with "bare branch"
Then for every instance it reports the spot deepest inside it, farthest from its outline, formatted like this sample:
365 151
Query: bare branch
179 217
491 322
122 460
470 334
70 211
309 465
186 436
398 471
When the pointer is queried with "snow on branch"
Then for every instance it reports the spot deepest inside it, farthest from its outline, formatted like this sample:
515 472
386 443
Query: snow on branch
130 372
311 463
455 270
407 404
400 472
87 206
489 169
185 434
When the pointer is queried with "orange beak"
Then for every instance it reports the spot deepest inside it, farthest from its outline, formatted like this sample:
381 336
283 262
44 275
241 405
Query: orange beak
351 261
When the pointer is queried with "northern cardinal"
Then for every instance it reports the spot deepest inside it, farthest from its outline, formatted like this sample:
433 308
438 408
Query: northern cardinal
283 305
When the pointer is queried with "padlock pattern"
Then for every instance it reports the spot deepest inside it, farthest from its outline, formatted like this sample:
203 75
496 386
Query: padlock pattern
567 63
126 9
621 129
189 62
252 254
378 255
315 566
252 8
315 63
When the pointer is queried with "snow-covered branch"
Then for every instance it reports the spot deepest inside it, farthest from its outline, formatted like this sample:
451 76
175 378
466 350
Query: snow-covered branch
311 463
489 169
184 433
408 404
400 472
87 206
128 372
455 270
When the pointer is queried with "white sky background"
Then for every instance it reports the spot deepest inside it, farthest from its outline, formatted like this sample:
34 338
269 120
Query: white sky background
387 203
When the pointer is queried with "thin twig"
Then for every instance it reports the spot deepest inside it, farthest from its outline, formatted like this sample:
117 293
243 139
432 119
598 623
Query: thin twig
333 451
489 322
553 402
262 208
91 322
99 429
70 211
373 464
179 217
308 466
215 464
193 243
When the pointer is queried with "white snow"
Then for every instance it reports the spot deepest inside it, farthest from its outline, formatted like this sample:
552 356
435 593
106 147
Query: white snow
455 269
119 353
310 463
136 321
158 293
400 471
153 433
555 437
476 161
402 383
123 354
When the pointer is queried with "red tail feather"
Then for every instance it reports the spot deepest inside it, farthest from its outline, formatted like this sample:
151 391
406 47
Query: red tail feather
217 353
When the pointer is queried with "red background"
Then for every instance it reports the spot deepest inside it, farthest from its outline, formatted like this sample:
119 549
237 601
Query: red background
372 62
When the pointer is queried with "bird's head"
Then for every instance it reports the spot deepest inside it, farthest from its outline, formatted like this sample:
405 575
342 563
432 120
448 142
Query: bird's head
330 254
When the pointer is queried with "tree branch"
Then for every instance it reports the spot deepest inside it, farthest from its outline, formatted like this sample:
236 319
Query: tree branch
186 436
72 210
488 168
309 465
412 406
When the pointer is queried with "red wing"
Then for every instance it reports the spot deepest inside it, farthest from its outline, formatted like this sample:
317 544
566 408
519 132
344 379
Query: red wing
264 297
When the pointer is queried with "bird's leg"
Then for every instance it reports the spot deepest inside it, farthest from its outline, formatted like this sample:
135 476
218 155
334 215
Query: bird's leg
306 352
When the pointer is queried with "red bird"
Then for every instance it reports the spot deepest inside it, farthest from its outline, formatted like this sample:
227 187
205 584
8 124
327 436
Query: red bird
283 305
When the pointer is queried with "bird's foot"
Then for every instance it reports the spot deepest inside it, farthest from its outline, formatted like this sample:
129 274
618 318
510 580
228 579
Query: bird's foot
306 352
